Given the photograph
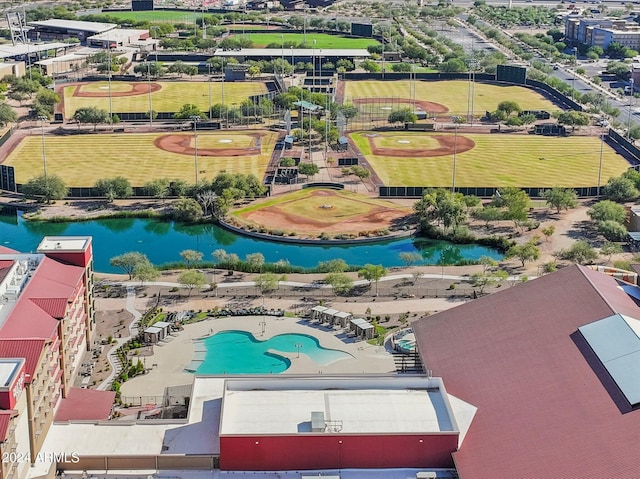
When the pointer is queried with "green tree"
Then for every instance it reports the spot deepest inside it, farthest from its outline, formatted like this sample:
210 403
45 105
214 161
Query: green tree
91 115
579 252
612 230
7 114
509 107
187 111
159 188
453 65
118 187
152 69
267 282
187 210
128 261
488 214
403 115
145 271
45 188
443 206
620 190
515 201
409 258
370 66
610 249
548 232
573 118
487 278
308 169
561 198
340 282
192 278
337 265
191 257
255 261
372 273
526 252
607 210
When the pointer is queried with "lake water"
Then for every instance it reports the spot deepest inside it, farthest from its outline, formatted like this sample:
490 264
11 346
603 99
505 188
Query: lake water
162 242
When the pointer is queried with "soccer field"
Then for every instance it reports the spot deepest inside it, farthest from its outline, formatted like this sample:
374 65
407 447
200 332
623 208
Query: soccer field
83 159
495 160
170 97
452 94
323 40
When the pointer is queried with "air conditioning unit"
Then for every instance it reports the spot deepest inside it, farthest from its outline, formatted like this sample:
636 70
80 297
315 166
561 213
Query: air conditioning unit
426 475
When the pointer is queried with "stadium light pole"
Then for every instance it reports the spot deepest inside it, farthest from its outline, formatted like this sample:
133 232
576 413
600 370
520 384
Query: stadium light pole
209 84
629 120
195 119
604 125
42 119
282 52
456 121
313 60
150 100
110 96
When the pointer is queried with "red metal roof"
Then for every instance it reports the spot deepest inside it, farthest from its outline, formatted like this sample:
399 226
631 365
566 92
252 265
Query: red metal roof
29 349
5 421
56 307
5 250
85 405
5 266
542 410
35 313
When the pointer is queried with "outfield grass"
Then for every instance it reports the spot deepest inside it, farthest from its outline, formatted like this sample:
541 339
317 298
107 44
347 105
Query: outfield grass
161 16
500 160
323 40
452 94
303 203
81 160
170 97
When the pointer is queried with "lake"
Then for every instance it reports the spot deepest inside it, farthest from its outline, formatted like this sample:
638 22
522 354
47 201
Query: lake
163 240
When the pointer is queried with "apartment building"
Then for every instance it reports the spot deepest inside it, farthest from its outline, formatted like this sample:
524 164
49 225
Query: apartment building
47 321
602 32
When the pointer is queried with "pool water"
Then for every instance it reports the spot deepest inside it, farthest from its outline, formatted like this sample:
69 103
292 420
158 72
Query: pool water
239 352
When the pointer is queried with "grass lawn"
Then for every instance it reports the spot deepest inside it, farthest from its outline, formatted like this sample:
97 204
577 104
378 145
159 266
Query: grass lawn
161 16
170 97
305 203
452 94
323 40
500 160
81 160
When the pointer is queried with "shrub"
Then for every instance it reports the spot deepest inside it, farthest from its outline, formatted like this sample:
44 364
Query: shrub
612 230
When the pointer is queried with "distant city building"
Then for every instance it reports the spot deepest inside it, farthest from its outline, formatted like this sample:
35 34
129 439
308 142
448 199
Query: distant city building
601 32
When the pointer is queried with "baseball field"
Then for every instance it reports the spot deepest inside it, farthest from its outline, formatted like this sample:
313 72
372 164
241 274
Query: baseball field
165 96
82 159
312 211
451 96
426 159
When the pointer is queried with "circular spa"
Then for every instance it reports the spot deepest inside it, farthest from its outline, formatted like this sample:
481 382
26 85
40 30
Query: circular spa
404 341
239 352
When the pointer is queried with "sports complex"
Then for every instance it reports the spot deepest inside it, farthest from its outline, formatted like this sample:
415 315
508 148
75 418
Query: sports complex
396 158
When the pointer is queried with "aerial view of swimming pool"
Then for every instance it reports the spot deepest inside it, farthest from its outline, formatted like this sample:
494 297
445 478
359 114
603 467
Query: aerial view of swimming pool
239 352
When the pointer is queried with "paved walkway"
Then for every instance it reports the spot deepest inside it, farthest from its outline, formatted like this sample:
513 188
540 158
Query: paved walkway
112 357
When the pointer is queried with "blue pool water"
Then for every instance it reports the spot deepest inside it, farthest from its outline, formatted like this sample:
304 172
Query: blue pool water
239 352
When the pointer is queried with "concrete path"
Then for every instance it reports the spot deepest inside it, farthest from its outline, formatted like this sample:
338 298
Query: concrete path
112 357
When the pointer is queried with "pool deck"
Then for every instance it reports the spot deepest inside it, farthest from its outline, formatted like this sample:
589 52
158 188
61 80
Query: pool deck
171 357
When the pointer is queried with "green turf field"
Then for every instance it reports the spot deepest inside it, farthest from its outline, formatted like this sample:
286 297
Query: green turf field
499 160
158 16
81 160
323 40
170 97
310 204
452 94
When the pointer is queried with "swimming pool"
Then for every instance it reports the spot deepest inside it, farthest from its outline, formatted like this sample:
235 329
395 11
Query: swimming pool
239 352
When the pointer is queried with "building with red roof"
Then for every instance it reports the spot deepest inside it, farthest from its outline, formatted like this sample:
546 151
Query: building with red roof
552 366
47 322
